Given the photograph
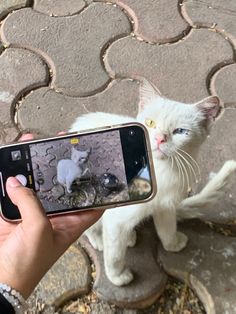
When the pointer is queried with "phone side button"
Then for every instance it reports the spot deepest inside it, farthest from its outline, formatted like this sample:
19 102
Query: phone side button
2 185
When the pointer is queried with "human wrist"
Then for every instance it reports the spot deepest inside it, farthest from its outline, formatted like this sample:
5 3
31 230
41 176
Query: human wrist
14 298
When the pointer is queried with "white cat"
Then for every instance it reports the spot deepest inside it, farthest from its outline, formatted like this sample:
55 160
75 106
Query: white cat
68 170
176 132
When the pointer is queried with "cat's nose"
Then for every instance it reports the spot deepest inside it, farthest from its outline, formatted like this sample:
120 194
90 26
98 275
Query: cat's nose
160 139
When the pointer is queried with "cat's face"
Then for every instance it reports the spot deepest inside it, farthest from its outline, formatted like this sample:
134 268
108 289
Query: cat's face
175 127
79 157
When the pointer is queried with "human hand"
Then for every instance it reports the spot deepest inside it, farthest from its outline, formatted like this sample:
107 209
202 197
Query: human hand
28 249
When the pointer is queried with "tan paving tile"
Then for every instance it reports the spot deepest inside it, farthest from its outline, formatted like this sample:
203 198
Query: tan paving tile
58 7
223 84
179 70
155 21
71 45
21 70
7 6
217 14
120 97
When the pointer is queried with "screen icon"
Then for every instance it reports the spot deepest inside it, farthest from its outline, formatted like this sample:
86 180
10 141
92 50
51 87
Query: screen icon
16 155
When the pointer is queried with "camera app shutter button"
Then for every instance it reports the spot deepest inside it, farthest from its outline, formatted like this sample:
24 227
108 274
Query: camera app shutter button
22 179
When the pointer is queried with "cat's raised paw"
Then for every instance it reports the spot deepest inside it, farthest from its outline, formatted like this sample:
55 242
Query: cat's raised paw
229 166
122 279
179 243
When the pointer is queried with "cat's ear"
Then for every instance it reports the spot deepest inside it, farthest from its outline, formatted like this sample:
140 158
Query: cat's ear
210 107
147 94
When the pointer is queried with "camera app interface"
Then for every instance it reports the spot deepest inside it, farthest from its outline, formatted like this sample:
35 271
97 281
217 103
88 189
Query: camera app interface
81 171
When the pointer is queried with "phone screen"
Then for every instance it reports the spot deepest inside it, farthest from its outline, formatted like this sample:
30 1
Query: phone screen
80 171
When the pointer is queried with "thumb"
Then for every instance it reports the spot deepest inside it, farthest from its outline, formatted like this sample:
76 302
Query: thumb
25 199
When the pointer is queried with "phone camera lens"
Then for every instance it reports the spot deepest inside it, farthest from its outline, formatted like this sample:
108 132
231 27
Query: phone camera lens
136 162
131 132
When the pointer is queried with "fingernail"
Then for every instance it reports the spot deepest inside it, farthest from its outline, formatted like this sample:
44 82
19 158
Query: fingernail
13 182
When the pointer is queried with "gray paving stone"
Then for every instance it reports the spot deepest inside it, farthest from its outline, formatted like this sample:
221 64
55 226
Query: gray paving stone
149 281
218 148
58 7
73 46
207 264
223 84
51 112
21 70
155 21
179 70
7 6
68 278
217 14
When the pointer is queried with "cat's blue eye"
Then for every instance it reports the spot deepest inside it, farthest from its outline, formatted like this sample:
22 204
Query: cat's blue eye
181 131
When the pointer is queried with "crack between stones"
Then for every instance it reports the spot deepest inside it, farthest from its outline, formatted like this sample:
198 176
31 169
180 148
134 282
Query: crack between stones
4 14
65 16
213 7
133 33
213 72
16 104
210 27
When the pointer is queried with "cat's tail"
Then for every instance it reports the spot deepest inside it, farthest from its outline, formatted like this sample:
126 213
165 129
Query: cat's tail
194 206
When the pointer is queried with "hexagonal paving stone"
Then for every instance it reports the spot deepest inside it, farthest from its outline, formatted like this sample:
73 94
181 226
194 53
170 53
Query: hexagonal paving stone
119 97
179 70
155 21
71 45
21 70
58 7
207 264
212 13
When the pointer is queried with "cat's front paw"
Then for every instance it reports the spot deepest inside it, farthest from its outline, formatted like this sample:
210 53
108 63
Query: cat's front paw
122 279
178 243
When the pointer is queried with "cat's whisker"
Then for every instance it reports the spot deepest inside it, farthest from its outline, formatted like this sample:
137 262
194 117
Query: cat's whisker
189 165
184 169
180 166
177 164
171 158
191 158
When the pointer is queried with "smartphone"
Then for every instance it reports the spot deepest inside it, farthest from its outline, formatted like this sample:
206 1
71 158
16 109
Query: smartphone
100 168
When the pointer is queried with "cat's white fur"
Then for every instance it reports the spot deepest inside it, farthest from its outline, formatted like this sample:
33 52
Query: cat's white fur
68 170
115 229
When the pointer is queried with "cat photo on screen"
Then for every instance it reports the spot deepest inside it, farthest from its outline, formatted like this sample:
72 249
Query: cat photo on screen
81 172
177 131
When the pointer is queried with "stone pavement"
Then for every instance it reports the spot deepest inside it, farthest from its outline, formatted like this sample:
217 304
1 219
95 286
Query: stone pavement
61 60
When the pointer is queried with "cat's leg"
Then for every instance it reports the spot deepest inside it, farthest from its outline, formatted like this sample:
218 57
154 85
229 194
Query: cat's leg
69 180
115 246
166 227
94 234
68 185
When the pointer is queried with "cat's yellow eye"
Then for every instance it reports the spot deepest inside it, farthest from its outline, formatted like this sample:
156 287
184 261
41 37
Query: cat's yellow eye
150 123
